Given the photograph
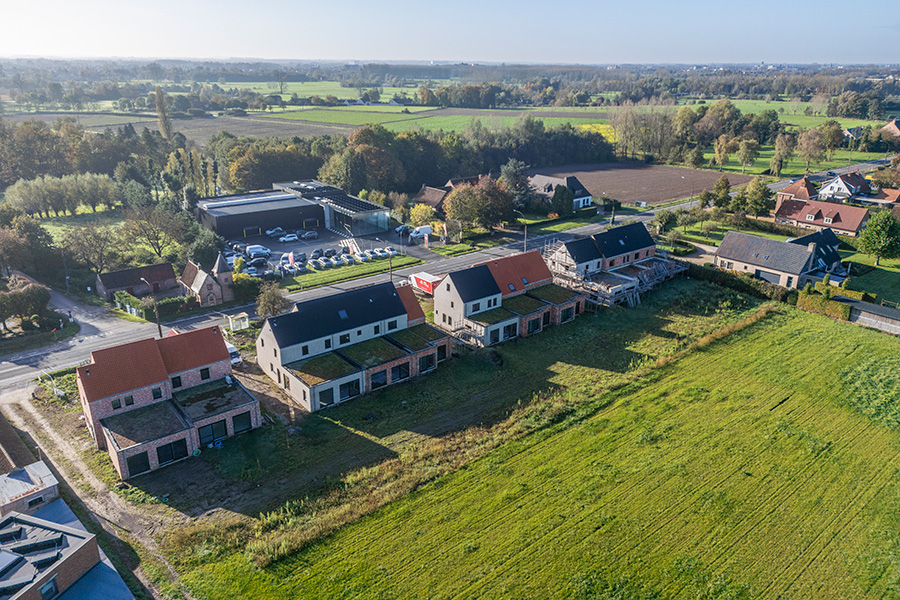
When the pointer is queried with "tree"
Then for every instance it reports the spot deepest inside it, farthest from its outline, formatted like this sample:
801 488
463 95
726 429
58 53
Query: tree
515 175
673 237
695 157
881 237
832 136
164 122
809 147
13 250
706 199
718 214
92 245
158 228
708 228
205 248
747 153
722 192
760 199
784 149
724 147
561 202
663 219
271 302
685 220
485 204
421 214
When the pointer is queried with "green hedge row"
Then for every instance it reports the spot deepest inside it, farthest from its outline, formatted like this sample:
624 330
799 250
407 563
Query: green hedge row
739 282
862 296
824 306
167 306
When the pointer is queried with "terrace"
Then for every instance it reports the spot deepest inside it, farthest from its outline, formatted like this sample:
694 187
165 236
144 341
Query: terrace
372 352
553 294
212 398
524 305
418 337
492 317
145 424
322 368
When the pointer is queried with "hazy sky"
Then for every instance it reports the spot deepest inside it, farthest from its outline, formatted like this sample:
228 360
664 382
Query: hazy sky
562 31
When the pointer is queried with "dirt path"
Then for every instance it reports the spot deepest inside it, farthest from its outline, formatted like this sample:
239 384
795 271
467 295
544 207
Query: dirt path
109 509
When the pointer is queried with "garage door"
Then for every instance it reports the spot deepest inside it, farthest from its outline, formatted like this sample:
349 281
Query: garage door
769 276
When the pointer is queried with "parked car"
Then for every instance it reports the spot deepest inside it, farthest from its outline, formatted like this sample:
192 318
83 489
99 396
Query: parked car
329 252
323 263
234 354
370 254
291 237
311 235
380 252
300 257
360 257
420 232
257 250
298 232
226 253
274 233
390 250
831 174
230 259
289 269
347 259
251 271
336 262
346 250
239 247
403 229
317 253
259 263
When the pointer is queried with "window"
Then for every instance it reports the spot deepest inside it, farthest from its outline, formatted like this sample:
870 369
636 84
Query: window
442 352
171 452
287 382
546 320
426 363
342 314
524 281
304 350
49 590
828 220
176 382
349 390
209 286
452 304
327 344
359 332
400 372
212 432
392 325
809 217
138 463
378 379
567 315
510 331
262 342
242 422
204 373
443 318
494 336
157 393
116 403
534 325
790 282
476 307
512 288
345 338
275 351
279 377
449 320
377 329
448 287
304 395
35 501
129 400
326 397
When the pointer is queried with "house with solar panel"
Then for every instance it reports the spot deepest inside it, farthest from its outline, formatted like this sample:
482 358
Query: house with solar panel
614 266
331 349
503 299
156 401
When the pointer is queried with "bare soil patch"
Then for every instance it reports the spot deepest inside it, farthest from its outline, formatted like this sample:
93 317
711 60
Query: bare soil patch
629 182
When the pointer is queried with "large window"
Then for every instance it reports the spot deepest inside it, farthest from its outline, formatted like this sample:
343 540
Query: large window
326 397
176 382
546 319
510 331
305 350
204 373
157 393
349 389
212 432
137 464
534 325
392 325
567 314
171 452
494 336
242 422
327 344
49 590
345 338
116 403
129 400
379 379
399 372
426 363
442 352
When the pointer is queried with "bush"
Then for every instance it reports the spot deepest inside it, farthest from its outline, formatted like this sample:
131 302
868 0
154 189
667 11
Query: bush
739 282
822 305
167 306
824 289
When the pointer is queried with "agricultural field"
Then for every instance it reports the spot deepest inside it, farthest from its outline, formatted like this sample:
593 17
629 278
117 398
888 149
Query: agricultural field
730 473
796 167
305 89
629 182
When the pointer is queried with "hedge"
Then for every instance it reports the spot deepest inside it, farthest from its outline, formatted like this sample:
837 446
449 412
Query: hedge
856 295
822 305
739 282
167 306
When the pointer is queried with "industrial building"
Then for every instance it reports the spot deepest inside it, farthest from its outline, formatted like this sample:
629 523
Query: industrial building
292 205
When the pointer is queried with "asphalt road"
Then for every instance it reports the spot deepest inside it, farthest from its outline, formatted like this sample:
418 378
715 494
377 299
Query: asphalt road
100 330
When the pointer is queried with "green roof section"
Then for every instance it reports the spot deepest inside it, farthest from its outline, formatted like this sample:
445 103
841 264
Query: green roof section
493 316
372 352
553 293
145 424
524 305
319 369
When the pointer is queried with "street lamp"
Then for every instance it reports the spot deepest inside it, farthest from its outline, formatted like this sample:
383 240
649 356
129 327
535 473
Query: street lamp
525 245
155 306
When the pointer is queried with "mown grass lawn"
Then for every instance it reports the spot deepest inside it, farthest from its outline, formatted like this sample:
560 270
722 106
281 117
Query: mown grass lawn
884 281
796 167
56 226
313 279
694 233
342 117
735 472
453 249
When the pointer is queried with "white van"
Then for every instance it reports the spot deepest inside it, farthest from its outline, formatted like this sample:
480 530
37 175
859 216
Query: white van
235 355
420 232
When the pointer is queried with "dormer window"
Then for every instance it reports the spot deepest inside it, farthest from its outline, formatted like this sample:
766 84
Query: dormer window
827 220
810 217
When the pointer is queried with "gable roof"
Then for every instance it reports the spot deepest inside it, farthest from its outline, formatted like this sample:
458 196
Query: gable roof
132 277
822 237
189 275
845 218
624 239
892 127
474 283
515 273
856 181
119 369
765 253
431 196
320 317
583 250
802 189
887 195
192 349
414 310
546 184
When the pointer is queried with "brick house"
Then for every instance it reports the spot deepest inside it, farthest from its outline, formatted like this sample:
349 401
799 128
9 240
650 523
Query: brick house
156 401
844 187
211 288
615 247
842 219
546 185
503 299
802 189
331 349
161 278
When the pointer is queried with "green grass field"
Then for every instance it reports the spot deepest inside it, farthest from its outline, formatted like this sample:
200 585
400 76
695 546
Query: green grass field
314 88
695 234
884 281
732 473
313 279
56 226
796 167
342 117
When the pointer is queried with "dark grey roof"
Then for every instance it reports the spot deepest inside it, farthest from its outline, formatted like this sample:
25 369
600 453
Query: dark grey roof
474 283
826 245
766 253
253 202
132 277
320 317
221 265
583 250
868 307
322 193
624 239
546 184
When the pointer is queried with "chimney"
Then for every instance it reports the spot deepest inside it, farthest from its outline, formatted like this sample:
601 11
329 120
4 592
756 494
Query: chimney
812 247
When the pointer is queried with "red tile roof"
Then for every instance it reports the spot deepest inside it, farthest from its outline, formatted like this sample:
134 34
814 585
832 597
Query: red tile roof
193 349
433 197
510 270
888 195
845 218
127 367
802 189
414 313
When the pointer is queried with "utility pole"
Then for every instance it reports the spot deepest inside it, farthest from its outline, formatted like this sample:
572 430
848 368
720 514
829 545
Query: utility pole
525 244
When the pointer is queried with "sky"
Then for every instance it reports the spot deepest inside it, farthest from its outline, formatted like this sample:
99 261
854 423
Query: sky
520 31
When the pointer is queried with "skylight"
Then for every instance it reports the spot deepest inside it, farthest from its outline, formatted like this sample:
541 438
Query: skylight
524 281
512 288
342 313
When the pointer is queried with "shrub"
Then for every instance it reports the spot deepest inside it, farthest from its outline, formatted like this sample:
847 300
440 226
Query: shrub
739 282
822 305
